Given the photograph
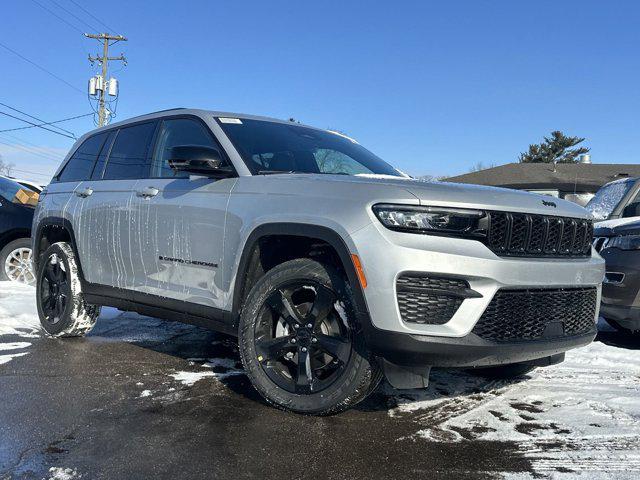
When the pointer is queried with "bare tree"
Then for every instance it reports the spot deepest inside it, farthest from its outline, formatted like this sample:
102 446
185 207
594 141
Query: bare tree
480 166
5 167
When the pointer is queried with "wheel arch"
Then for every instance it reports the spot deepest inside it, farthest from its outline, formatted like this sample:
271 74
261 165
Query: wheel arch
52 230
310 232
13 234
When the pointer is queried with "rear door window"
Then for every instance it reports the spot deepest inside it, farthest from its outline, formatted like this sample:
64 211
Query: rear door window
80 165
129 153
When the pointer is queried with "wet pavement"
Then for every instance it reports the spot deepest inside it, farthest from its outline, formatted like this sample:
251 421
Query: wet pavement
143 398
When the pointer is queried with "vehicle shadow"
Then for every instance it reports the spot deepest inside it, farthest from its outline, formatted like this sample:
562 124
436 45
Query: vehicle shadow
204 349
614 338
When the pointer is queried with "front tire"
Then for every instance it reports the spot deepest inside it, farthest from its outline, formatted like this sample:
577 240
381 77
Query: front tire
61 306
15 262
299 343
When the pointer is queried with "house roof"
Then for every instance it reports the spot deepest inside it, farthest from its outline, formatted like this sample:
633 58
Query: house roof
567 177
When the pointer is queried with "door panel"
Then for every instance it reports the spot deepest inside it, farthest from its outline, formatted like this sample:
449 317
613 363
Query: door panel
183 240
106 233
182 246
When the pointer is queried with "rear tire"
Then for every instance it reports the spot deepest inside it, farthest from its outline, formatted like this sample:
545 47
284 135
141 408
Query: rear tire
62 309
504 372
299 343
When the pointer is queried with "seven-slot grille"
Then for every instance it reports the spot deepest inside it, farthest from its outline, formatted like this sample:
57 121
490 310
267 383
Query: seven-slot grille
527 235
429 300
521 315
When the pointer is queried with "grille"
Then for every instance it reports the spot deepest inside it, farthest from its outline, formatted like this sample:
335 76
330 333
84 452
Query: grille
429 300
517 234
521 315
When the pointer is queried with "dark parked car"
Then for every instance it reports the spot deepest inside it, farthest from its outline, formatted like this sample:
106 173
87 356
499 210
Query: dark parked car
15 233
619 244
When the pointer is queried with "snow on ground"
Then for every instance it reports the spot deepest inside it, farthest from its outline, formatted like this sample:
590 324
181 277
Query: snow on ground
59 473
18 317
216 368
582 415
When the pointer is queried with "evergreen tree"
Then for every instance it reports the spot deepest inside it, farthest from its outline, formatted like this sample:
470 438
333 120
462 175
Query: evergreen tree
558 148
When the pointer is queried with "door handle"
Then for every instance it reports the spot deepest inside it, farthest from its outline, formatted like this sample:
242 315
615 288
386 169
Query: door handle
84 193
147 192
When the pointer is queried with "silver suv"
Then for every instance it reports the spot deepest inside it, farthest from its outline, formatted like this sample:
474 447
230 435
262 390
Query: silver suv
330 266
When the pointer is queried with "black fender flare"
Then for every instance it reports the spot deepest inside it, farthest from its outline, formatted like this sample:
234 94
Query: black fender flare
65 224
300 230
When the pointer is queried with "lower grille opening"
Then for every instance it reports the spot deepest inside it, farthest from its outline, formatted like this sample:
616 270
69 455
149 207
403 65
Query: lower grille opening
524 315
429 300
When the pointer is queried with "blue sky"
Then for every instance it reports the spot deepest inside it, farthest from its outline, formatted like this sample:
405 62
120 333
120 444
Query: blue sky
432 87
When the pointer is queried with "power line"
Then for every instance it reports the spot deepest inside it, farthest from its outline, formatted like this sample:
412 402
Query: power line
109 29
36 125
32 146
32 173
35 118
41 68
25 149
91 27
41 125
57 16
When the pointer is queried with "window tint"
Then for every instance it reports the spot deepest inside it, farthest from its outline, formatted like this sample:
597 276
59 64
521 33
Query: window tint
175 132
81 163
128 157
102 157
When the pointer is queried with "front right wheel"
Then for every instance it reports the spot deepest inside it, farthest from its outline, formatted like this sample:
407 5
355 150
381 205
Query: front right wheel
299 343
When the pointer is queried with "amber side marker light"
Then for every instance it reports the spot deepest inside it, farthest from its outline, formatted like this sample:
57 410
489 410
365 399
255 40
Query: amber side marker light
359 270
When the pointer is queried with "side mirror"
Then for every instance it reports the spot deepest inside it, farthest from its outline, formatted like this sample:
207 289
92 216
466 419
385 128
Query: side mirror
631 210
199 160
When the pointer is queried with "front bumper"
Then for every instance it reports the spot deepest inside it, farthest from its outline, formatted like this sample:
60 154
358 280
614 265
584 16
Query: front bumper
470 351
386 254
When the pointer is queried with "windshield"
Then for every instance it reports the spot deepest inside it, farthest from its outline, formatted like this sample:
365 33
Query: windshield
608 197
271 147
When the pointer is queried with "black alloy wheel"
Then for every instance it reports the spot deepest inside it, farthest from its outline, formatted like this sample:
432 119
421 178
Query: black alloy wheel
302 338
55 290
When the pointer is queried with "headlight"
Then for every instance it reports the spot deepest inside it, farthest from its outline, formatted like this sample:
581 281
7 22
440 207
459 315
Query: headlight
435 220
625 242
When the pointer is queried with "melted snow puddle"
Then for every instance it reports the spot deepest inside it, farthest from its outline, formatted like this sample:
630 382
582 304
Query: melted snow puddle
582 415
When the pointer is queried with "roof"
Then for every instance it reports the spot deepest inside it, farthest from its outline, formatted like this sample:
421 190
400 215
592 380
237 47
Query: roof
197 112
567 177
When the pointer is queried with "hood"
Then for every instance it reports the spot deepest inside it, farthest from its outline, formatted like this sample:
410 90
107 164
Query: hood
461 195
618 226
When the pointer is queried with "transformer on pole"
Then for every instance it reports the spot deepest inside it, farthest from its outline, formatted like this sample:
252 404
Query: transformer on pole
99 86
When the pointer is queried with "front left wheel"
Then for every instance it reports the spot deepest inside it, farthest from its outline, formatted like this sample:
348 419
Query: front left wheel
62 308
299 342
15 262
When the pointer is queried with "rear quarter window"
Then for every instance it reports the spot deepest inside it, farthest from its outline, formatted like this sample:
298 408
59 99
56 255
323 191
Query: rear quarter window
80 165
128 157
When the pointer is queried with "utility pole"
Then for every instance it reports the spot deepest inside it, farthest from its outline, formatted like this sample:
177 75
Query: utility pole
100 84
